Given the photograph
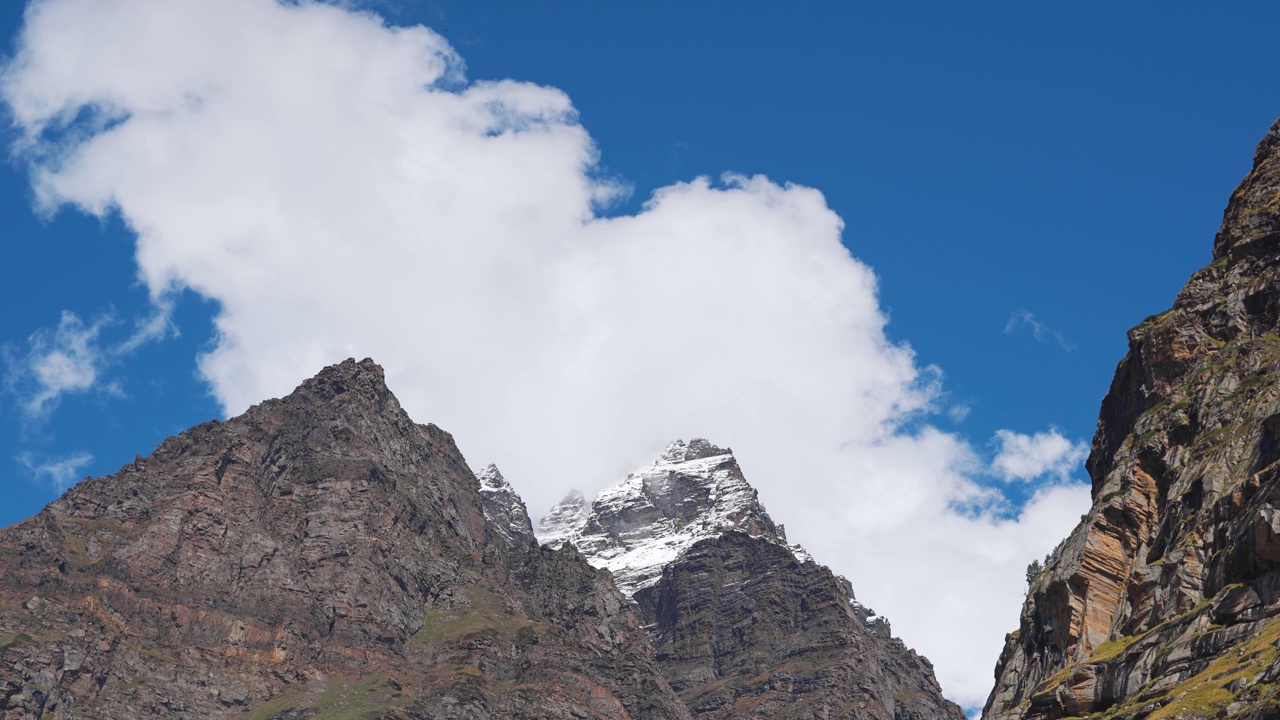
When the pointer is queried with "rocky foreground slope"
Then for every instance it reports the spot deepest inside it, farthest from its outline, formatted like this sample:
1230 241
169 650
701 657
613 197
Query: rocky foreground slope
323 557
742 624
1165 601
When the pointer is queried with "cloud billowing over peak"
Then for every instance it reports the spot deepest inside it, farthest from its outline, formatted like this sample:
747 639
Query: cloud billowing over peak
340 189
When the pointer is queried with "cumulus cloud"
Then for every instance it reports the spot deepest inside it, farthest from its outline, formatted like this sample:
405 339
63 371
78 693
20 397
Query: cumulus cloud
61 472
1030 457
341 190
1022 318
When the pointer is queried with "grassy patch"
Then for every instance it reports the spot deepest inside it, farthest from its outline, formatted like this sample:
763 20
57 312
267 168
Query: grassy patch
363 698
478 612
1151 320
154 655
1110 496
1206 693
274 707
10 641
463 683
137 683
1110 650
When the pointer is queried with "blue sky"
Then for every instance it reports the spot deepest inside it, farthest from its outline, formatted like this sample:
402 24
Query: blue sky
1026 184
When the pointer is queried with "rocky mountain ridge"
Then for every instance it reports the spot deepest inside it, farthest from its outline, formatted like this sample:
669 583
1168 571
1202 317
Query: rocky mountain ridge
638 526
1165 601
323 556
743 624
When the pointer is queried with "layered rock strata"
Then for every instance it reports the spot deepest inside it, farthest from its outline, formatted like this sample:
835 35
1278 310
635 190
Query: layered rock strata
1165 601
743 624
742 629
319 556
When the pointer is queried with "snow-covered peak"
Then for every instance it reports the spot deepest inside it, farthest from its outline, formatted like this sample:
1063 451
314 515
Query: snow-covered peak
565 520
696 449
503 507
693 491
491 479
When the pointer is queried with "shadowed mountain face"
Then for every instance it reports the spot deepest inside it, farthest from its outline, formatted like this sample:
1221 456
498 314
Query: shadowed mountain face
320 556
1165 600
742 628
743 625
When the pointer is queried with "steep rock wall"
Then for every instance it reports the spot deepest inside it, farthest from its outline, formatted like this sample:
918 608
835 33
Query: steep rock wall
1163 602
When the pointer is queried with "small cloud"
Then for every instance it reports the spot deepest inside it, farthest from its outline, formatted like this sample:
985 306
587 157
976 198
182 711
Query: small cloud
63 360
71 358
157 326
958 413
1042 333
61 472
1025 458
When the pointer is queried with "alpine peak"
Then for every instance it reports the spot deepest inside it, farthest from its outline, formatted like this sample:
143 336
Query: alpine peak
693 491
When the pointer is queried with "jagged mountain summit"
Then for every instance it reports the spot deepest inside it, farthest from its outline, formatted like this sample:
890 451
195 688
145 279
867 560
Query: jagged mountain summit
1165 601
742 623
637 527
503 507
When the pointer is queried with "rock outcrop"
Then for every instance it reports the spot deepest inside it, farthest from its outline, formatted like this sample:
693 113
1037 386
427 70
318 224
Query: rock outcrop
638 526
743 624
320 556
1165 601
503 507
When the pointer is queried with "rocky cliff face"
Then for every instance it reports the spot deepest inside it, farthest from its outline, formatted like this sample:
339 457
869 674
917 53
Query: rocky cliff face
1165 601
743 629
503 508
743 624
639 526
321 556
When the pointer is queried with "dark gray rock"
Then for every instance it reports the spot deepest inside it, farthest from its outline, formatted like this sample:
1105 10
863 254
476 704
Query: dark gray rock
742 629
743 624
504 508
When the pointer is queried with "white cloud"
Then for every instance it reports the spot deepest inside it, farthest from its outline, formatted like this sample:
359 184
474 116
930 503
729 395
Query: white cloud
72 357
1031 457
61 472
1041 332
340 190
58 361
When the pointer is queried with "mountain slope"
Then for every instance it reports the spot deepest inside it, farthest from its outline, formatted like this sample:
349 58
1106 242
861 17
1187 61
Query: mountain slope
743 625
1164 601
318 556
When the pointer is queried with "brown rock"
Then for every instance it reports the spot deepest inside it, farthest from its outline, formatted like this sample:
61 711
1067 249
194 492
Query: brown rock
1162 602
319 556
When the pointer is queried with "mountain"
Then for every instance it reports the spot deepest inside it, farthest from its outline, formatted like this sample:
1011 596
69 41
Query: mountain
639 526
1164 602
742 624
320 556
